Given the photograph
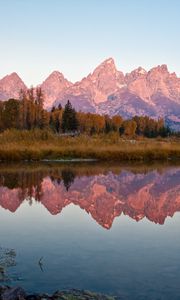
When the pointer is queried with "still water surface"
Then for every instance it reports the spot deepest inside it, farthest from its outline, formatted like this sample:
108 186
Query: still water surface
111 229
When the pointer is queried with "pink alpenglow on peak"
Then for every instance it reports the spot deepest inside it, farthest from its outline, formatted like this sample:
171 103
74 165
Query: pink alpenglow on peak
54 84
10 86
155 93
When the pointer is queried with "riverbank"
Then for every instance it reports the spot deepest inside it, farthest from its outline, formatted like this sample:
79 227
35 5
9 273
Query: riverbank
17 293
40 145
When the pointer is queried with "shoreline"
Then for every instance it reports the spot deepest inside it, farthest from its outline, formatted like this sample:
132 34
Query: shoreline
48 156
18 293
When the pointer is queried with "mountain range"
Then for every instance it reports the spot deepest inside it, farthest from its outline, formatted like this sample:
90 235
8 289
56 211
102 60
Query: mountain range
155 93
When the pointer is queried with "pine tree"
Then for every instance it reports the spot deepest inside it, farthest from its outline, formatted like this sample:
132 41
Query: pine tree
59 106
69 119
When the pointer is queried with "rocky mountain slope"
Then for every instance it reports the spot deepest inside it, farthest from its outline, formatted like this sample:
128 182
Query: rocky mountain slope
53 86
10 86
106 90
155 93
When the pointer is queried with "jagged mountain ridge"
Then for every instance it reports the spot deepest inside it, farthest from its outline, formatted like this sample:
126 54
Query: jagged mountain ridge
106 90
155 93
53 86
10 86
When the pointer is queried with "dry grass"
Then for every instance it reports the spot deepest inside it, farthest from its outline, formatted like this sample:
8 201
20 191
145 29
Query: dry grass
39 145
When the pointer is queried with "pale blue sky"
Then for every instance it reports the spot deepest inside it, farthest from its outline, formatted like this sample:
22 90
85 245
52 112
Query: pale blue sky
74 36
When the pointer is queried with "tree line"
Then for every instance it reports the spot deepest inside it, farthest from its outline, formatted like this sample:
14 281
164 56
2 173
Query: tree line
28 113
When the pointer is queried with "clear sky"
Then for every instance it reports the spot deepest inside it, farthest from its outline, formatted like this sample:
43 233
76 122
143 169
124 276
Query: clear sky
74 36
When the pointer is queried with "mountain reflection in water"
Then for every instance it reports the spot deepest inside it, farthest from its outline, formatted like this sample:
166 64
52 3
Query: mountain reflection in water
103 192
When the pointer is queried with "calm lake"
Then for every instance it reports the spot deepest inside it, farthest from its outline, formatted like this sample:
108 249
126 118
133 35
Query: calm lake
106 228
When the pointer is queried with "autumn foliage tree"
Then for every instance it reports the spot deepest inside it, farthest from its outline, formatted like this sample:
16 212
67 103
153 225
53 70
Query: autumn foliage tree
28 113
128 128
90 123
55 121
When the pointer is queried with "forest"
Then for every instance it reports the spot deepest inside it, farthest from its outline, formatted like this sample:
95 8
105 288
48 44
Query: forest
31 133
27 113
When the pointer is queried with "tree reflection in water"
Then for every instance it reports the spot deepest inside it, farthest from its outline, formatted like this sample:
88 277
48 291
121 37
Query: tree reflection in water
103 191
68 178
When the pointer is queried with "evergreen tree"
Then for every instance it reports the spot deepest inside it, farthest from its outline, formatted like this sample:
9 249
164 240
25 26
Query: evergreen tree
69 119
59 106
108 124
57 124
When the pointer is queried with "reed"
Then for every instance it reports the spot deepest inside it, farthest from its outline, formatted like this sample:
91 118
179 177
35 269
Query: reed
43 145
